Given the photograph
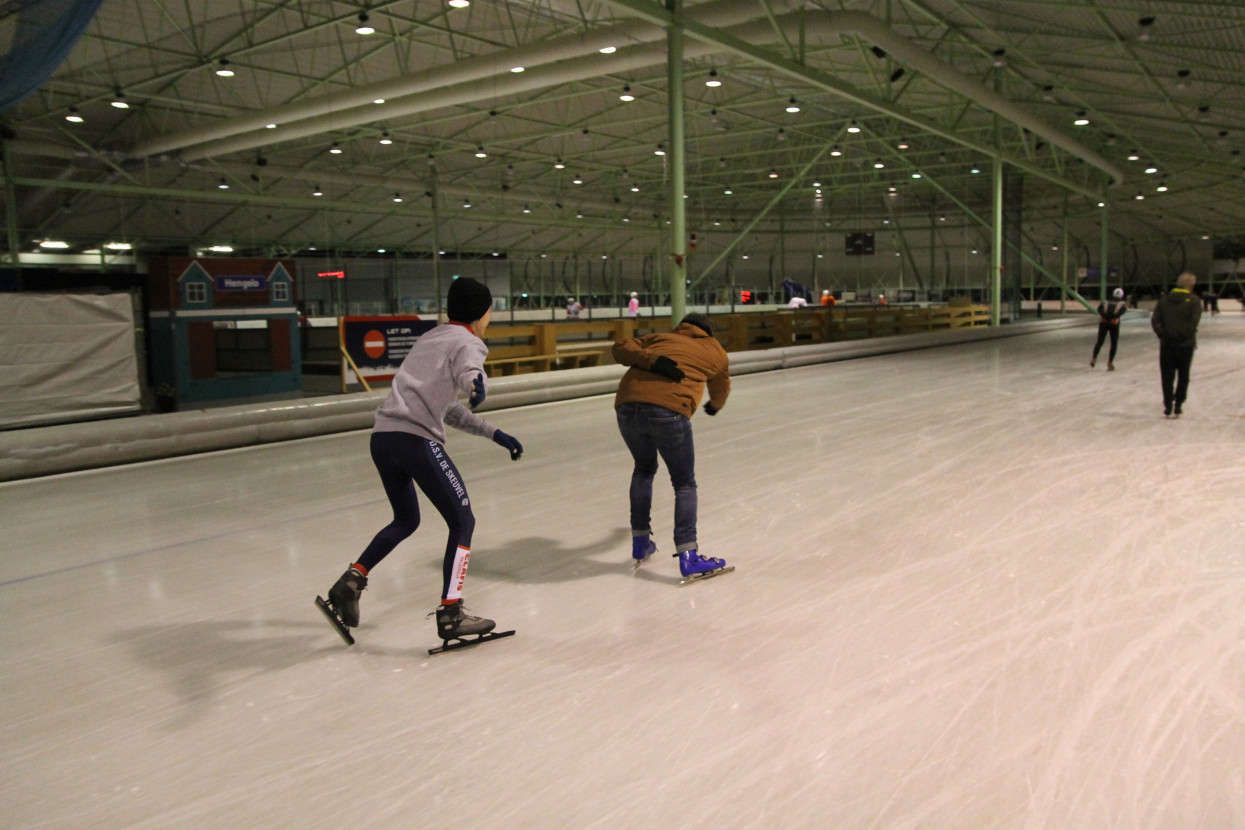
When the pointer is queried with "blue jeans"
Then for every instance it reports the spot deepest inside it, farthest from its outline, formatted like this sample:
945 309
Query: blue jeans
650 430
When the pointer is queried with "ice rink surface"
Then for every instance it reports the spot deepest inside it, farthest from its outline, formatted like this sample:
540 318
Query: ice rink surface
979 586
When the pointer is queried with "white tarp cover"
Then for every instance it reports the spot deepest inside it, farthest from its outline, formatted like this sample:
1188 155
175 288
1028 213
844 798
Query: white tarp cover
66 357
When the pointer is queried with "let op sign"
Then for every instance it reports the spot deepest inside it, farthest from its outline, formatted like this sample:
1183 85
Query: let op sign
378 345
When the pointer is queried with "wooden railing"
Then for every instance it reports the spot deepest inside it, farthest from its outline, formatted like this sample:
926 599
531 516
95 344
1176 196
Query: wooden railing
542 347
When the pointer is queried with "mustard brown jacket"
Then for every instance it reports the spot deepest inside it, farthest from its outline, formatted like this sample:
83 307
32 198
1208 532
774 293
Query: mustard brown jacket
699 355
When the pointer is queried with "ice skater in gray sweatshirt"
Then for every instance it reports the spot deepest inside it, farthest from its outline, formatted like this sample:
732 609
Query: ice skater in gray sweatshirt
408 451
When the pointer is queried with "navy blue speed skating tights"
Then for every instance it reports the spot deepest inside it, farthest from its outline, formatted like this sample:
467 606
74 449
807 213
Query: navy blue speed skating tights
404 461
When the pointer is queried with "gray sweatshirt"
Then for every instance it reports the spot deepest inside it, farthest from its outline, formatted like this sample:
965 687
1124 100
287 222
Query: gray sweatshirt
424 394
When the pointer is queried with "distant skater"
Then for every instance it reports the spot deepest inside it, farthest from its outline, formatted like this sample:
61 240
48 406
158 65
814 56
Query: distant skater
407 447
633 305
656 400
1175 321
1109 315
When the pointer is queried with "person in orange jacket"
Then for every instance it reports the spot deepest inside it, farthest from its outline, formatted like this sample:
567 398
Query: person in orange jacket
657 397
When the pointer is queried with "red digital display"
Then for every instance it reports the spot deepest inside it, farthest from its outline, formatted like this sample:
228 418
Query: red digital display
341 275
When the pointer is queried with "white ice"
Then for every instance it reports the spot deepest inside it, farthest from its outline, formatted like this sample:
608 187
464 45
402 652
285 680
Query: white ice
980 586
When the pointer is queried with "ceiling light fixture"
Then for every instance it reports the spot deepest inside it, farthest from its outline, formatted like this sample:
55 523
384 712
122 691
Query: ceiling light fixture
608 50
224 185
364 28
660 151
379 101
713 80
626 94
836 152
222 68
1000 58
52 243
792 106
878 164
1134 156
577 180
517 69
773 174
903 144
317 191
118 100
1144 29
558 165
728 191
480 154
853 127
73 116
1081 120
385 139
119 246
397 197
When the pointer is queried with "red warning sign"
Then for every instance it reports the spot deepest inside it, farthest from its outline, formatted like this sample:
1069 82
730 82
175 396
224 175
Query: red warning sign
374 344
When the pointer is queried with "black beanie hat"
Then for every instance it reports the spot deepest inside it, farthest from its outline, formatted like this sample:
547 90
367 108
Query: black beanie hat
468 301
700 321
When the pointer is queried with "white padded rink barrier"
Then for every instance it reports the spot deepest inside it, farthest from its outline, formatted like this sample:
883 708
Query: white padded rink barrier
63 448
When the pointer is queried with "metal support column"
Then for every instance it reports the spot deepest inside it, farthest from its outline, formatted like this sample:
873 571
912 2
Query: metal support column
996 246
1102 257
10 207
436 234
678 214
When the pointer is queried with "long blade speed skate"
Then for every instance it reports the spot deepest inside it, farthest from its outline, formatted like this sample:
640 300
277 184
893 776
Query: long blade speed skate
335 620
464 642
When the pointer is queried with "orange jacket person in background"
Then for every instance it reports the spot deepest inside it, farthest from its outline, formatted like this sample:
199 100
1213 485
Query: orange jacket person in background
656 400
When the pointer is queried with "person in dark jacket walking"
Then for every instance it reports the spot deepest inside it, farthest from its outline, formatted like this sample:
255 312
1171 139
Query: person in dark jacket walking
656 400
1109 315
1175 320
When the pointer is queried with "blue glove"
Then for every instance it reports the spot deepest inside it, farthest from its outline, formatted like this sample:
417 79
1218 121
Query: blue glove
477 394
667 368
511 443
710 409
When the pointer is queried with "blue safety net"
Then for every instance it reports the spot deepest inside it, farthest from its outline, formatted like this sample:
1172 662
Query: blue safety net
39 35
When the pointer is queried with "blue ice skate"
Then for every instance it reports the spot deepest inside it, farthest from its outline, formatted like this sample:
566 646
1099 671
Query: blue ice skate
695 567
642 547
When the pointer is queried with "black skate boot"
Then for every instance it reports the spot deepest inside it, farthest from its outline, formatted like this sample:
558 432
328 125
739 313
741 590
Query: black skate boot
344 596
459 629
342 607
453 622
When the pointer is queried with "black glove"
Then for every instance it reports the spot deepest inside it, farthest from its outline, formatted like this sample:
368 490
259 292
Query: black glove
511 443
710 409
667 368
477 394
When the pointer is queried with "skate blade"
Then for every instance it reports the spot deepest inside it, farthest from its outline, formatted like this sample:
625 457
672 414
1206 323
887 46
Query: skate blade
335 621
638 562
707 575
464 642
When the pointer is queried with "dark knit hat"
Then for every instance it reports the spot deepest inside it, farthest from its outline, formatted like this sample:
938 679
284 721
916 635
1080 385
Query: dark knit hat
469 300
700 321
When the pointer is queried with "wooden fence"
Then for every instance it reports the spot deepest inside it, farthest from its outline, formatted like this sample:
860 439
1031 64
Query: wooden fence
542 347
